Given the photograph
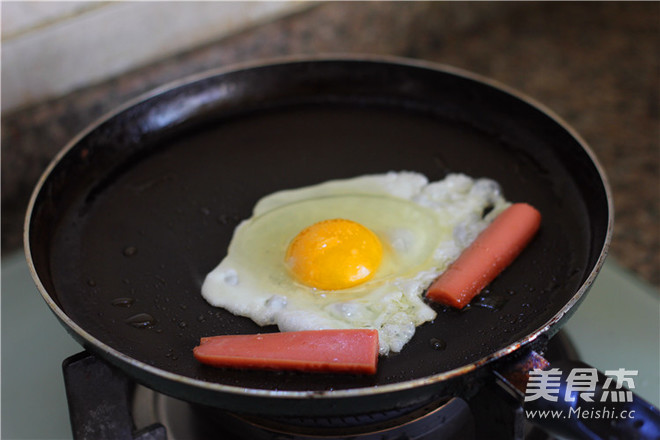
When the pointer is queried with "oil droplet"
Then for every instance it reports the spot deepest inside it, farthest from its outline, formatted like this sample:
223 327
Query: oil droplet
492 302
183 324
438 344
141 320
123 302
129 251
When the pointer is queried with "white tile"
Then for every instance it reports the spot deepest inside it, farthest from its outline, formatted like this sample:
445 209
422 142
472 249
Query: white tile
107 41
21 16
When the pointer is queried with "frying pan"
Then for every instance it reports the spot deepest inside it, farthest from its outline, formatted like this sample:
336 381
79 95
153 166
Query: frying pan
130 216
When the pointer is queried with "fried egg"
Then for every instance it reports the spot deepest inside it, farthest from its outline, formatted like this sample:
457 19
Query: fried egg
351 253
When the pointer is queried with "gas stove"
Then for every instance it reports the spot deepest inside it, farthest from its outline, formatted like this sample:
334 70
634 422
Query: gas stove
609 331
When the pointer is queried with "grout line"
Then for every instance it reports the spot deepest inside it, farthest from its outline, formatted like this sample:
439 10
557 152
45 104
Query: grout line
84 9
60 45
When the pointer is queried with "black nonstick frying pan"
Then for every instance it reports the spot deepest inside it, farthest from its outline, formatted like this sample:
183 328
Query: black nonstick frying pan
132 214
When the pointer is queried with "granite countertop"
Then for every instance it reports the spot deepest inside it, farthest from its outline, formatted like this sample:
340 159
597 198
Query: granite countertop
595 64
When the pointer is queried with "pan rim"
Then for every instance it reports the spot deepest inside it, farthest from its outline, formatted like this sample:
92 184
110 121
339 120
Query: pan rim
91 341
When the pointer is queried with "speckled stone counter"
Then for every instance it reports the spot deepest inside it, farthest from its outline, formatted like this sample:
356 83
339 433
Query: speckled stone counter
594 64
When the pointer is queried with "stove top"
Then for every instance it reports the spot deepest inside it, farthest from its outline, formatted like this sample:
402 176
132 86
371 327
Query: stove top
605 320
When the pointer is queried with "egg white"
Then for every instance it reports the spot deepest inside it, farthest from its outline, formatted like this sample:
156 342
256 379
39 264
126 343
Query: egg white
424 226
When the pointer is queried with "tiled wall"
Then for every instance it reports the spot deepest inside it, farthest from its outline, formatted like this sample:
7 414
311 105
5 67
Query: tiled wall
51 48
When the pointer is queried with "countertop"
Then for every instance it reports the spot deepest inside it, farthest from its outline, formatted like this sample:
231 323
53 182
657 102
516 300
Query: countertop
595 64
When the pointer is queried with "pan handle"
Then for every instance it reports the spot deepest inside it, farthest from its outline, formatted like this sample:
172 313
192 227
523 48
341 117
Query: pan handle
576 401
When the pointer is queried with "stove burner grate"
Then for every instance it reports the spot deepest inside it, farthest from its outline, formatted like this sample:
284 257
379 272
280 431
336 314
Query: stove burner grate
450 419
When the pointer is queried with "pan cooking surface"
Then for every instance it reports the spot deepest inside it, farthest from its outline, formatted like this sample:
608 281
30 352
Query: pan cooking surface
133 243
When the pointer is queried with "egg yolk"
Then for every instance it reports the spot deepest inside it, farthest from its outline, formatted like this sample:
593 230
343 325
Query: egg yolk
334 254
